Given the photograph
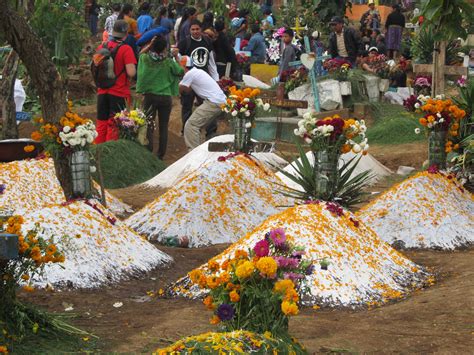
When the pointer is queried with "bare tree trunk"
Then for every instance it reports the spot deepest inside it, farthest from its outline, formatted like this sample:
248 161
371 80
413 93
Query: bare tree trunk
7 87
44 76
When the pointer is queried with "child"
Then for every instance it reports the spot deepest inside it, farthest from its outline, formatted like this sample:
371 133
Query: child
289 53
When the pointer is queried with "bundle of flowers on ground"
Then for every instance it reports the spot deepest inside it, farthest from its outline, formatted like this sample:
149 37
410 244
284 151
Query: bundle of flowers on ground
256 290
428 210
32 184
212 204
339 68
335 132
294 78
236 342
130 122
73 133
363 269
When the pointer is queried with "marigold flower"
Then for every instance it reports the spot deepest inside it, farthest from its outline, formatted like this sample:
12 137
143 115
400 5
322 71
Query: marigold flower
36 136
212 282
3 349
215 320
282 286
267 266
208 302
51 249
195 275
346 148
213 266
291 295
241 254
29 148
28 288
244 270
234 296
289 308
25 277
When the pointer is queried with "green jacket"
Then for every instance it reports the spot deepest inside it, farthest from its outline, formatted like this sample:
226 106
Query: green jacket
159 77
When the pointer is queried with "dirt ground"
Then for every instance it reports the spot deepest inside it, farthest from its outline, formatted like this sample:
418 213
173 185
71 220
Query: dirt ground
438 319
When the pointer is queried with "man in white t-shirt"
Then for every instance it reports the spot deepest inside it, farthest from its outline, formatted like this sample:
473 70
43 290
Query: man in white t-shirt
207 89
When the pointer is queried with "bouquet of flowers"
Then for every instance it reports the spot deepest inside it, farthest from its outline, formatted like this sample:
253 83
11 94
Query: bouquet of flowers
244 62
129 123
333 133
379 64
225 85
422 85
339 68
242 103
294 78
441 115
73 133
256 290
274 46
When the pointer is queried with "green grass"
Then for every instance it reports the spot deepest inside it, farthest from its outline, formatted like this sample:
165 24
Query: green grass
393 125
125 163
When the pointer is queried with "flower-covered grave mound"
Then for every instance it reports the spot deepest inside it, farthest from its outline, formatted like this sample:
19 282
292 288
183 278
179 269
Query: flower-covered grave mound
215 204
32 184
98 249
428 210
361 268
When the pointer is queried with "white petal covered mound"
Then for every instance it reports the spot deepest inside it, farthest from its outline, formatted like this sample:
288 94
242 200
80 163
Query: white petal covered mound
367 162
215 204
98 248
428 210
199 156
32 184
363 269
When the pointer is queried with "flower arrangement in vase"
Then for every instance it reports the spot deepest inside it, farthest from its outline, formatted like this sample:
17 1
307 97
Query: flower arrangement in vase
257 290
339 68
242 104
132 125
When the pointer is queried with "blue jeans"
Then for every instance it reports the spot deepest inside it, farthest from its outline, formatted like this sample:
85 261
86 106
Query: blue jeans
93 19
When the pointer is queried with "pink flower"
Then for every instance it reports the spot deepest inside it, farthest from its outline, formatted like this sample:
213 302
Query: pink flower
283 262
278 236
262 248
433 169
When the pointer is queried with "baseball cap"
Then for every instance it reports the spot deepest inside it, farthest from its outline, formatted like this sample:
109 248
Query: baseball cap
373 49
371 2
120 29
336 19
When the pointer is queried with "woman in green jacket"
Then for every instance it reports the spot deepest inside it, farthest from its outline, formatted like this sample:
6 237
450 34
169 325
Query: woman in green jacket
158 78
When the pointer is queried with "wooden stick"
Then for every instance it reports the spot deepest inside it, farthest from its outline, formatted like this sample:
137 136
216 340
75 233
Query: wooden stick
101 176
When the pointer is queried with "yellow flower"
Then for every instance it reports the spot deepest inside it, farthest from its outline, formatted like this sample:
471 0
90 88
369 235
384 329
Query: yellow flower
234 296
244 270
267 266
289 308
215 320
283 285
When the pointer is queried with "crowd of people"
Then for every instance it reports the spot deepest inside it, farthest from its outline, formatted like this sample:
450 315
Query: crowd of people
170 52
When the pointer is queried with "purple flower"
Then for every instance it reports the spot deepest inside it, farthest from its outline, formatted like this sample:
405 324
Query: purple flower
292 276
278 236
462 82
334 209
2 188
225 312
262 248
309 270
283 261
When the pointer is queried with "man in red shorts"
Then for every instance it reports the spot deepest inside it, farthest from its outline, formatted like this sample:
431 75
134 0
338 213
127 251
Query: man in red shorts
115 98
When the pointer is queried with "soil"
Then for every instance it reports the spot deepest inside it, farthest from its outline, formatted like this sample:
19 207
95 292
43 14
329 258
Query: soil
436 319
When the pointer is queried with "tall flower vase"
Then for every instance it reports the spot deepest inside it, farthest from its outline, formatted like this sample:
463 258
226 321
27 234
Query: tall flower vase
242 132
326 172
437 149
81 173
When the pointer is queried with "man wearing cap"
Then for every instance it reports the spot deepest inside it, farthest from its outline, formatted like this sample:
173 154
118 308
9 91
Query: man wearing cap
344 42
205 87
114 99
371 18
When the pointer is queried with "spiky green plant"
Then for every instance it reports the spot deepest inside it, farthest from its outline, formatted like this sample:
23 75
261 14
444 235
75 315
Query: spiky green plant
347 191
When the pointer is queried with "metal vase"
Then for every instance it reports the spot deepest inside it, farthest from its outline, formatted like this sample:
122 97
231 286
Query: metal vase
326 172
81 173
242 134
437 149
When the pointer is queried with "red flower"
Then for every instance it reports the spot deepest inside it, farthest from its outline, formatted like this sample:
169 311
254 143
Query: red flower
433 169
262 248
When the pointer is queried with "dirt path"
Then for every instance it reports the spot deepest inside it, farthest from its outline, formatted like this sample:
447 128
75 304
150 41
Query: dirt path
437 319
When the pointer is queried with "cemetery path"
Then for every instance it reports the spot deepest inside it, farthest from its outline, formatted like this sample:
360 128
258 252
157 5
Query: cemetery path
437 319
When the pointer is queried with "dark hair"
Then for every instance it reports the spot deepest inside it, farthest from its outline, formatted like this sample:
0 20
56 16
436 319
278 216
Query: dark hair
208 20
116 7
187 12
159 45
243 13
255 28
396 7
195 22
289 32
144 8
126 9
219 26
267 11
162 11
171 11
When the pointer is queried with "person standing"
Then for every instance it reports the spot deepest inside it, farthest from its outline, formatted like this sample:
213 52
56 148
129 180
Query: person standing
344 42
110 21
371 18
158 78
113 99
180 5
164 21
184 28
144 21
198 81
200 50
93 17
394 26
257 45
127 15
289 52
225 53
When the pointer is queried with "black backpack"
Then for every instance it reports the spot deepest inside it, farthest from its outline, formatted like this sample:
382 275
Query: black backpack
102 66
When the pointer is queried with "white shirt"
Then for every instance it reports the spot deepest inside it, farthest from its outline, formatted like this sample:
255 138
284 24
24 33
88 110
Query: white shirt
109 23
204 86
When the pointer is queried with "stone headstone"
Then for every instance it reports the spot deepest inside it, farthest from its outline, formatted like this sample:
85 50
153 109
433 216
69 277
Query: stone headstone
372 85
250 81
329 96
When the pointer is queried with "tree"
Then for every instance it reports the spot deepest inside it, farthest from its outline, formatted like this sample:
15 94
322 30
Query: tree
44 76
9 72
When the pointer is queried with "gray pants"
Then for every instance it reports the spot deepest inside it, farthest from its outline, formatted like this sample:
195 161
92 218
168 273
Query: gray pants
201 118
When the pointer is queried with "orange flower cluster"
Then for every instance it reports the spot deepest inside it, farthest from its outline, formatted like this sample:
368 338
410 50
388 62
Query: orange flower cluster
33 247
434 106
241 95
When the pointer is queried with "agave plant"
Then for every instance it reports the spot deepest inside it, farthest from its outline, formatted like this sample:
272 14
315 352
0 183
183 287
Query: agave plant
348 191
423 45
